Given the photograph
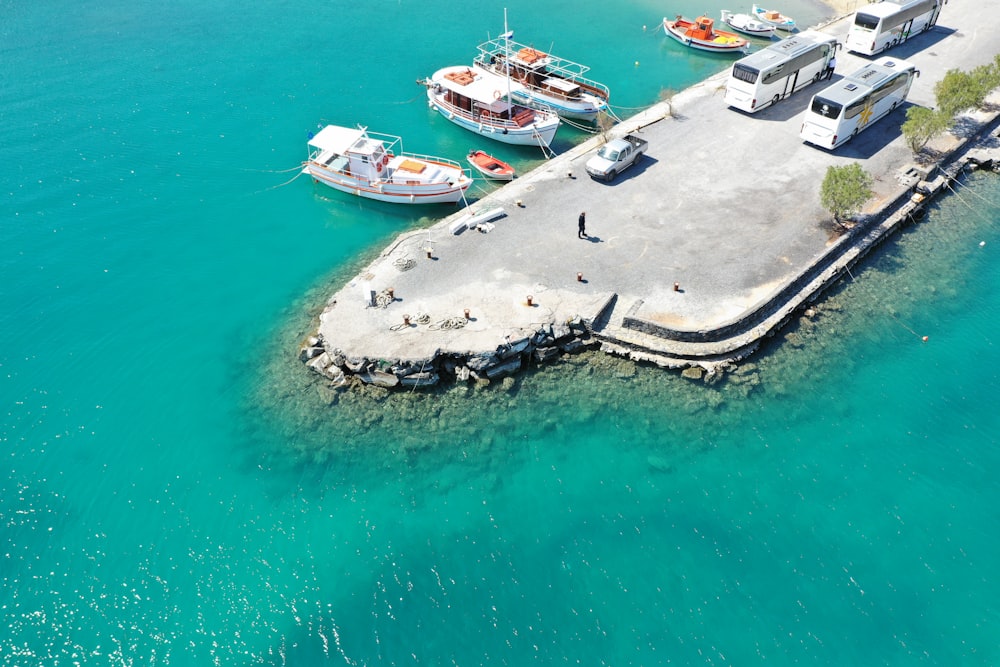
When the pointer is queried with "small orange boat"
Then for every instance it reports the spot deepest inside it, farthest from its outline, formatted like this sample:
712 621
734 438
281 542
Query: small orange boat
491 167
701 34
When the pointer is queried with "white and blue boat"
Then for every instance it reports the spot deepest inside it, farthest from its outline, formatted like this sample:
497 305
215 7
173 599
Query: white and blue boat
546 81
775 18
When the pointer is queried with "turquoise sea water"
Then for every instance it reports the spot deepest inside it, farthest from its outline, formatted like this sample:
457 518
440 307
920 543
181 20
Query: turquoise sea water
177 489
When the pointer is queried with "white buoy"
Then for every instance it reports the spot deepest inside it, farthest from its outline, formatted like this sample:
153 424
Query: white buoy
982 243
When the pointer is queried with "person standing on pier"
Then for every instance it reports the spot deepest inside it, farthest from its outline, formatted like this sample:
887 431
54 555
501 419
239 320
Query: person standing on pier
582 226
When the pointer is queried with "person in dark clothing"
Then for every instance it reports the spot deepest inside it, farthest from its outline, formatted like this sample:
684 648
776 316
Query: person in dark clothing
582 226
830 66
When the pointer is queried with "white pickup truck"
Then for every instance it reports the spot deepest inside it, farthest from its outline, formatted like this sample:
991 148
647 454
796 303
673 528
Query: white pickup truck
616 156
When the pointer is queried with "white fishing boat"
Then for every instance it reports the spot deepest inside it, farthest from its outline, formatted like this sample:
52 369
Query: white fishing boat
747 24
482 102
547 81
372 165
773 17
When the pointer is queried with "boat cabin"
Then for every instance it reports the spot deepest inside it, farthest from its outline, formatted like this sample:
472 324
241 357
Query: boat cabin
563 88
484 96
349 151
703 28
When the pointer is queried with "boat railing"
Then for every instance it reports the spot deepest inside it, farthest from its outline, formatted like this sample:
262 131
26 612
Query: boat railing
493 119
432 158
492 51
391 142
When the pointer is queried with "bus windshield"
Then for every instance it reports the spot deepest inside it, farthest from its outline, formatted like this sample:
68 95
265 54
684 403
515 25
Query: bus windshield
744 73
826 108
866 21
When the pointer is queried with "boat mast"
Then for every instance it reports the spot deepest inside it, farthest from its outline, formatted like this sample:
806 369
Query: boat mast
506 64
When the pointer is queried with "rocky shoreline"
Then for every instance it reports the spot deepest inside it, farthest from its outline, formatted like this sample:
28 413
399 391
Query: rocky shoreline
545 345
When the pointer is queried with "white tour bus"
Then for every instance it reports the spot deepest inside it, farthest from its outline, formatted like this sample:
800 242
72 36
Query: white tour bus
766 76
851 105
882 25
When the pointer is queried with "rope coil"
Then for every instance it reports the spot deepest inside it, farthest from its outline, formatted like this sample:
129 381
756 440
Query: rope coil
383 299
404 263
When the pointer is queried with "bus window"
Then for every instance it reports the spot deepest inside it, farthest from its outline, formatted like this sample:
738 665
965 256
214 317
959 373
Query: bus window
855 108
825 108
866 21
744 73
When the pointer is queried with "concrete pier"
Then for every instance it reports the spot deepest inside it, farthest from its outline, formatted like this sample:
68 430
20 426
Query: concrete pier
694 255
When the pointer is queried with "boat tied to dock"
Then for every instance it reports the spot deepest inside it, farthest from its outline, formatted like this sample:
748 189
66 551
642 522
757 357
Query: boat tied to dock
480 101
546 81
374 166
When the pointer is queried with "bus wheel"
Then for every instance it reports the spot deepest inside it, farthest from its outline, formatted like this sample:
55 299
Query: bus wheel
854 133
774 100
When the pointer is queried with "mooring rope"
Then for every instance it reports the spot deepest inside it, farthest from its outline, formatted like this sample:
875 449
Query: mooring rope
275 187
449 323
583 128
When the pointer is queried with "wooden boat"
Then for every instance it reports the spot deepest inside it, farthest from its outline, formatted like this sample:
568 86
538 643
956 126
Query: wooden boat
481 102
372 165
701 34
775 18
547 81
747 24
490 167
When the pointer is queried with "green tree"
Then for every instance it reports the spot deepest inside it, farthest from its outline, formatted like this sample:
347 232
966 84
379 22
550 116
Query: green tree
844 190
922 125
987 77
959 91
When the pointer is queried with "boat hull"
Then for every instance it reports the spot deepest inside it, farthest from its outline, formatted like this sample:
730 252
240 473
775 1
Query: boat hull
747 25
588 110
397 193
527 135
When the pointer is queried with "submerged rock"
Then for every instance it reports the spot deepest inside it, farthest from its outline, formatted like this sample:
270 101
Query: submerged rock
693 372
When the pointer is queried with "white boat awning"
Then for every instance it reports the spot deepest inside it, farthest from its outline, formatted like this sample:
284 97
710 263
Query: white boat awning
336 139
484 87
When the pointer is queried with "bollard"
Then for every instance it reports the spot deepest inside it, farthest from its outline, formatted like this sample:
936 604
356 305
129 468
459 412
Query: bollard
529 299
392 294
406 320
467 316
579 277
429 256
677 287
520 204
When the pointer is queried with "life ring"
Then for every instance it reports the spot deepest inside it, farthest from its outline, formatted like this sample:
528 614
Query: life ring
497 94
385 159
378 166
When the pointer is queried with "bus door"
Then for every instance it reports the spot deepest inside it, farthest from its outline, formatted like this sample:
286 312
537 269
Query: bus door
790 82
905 33
934 16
